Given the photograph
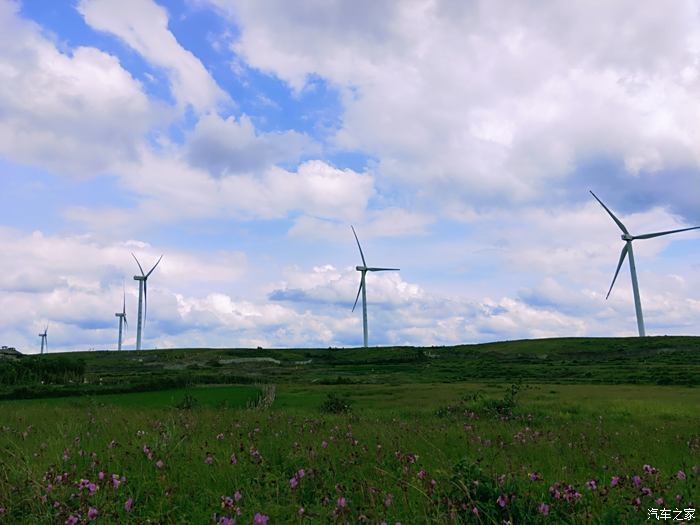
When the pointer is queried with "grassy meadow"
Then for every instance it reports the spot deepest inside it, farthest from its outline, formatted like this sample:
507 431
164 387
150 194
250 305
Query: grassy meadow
552 431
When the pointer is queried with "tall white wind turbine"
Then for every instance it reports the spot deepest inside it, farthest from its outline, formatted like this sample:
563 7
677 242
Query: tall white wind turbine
44 340
363 285
122 320
143 300
627 250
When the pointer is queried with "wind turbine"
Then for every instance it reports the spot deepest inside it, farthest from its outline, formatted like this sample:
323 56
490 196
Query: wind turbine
627 249
363 286
122 319
143 292
44 341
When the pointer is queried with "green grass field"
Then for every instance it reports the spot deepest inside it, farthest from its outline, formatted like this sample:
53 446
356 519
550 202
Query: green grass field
602 443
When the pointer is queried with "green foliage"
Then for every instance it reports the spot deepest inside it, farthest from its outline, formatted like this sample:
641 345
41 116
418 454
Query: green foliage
335 404
187 403
37 370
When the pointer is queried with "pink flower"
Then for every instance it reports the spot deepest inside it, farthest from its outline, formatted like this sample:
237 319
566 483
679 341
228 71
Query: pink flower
637 481
615 481
544 509
324 444
92 513
260 519
233 459
422 474
160 463
535 476
502 501
220 436
129 503
101 475
293 482
226 521
237 495
592 484
342 502
209 459
301 473
72 520
680 475
301 511
475 511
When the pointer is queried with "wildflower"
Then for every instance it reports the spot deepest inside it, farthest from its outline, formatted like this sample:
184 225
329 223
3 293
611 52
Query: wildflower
502 501
544 509
209 459
342 502
72 520
220 436
388 500
637 481
301 511
226 521
680 475
475 511
646 491
648 469
260 519
226 502
301 473
535 476
293 482
92 488
129 503
160 463
592 484
233 459
615 481
101 475
237 495
422 474
324 444
92 513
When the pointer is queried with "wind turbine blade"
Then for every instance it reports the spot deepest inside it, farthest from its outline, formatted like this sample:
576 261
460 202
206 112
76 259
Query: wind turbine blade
625 249
617 221
383 269
137 262
362 282
358 245
659 234
154 266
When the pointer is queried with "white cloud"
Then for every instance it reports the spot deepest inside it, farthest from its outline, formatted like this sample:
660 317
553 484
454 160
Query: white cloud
143 25
490 103
75 112
230 146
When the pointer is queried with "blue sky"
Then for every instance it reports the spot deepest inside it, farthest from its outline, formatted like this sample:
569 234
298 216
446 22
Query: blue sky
241 139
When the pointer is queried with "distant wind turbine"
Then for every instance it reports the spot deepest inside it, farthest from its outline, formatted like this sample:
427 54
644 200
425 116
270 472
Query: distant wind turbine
122 320
143 293
627 249
363 286
44 340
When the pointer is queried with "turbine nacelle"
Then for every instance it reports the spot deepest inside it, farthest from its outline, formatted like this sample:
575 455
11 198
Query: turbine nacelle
627 237
139 278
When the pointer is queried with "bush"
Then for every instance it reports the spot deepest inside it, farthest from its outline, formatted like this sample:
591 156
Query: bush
188 402
335 404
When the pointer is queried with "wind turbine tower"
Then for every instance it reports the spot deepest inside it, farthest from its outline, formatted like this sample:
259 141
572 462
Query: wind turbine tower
122 320
44 341
143 293
363 286
627 250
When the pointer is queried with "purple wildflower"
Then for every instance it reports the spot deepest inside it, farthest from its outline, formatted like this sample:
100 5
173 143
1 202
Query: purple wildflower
260 519
615 481
502 501
129 503
680 475
92 513
72 520
544 509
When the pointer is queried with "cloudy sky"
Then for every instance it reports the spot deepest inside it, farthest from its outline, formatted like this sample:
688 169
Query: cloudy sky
242 138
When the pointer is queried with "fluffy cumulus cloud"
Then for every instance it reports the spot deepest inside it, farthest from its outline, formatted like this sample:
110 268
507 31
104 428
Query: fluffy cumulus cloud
230 146
143 25
489 102
75 112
